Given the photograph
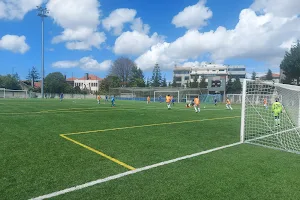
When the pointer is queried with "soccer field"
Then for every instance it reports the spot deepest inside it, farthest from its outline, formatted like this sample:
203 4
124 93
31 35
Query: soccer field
135 151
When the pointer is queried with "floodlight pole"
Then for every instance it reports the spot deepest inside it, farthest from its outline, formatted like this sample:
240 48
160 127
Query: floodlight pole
42 12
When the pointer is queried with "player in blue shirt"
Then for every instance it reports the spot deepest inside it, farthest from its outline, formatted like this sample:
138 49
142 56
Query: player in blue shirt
215 100
113 101
160 99
61 96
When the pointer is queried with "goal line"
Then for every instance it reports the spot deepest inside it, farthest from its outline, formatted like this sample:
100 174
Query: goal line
117 176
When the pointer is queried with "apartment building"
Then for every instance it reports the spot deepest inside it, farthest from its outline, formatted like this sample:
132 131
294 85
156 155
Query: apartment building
185 75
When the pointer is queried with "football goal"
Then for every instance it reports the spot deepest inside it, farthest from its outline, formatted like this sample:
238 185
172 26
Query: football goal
6 93
190 97
258 122
161 95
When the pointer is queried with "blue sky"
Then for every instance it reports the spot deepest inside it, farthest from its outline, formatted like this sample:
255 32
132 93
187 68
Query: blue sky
87 36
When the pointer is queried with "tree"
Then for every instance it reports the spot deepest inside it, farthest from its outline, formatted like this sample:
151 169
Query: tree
109 82
229 86
291 64
77 90
55 83
156 76
253 77
9 82
33 75
195 83
269 75
137 77
164 82
237 86
147 82
122 68
203 83
174 82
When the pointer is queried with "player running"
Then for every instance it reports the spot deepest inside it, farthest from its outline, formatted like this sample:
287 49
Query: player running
113 101
61 96
197 104
228 104
168 101
277 109
160 99
265 103
148 99
98 99
173 101
215 100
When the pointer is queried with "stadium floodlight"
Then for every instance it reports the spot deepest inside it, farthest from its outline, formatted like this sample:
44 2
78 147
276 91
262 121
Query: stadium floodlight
42 12
260 124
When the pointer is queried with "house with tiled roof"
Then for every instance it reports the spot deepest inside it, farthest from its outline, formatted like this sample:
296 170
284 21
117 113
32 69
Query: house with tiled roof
89 82
276 77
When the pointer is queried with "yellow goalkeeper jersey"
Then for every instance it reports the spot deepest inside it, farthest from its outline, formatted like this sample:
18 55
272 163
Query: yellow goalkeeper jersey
276 108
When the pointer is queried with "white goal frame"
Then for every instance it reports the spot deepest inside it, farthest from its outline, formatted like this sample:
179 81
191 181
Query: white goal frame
167 91
186 96
5 91
258 125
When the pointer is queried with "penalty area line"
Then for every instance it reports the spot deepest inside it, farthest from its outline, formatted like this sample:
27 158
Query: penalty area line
117 176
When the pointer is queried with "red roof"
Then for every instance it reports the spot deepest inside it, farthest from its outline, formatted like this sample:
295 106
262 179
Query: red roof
71 79
92 77
37 84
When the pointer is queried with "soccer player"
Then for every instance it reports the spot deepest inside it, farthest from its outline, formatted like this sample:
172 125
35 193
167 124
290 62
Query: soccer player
173 101
148 99
160 99
113 101
106 98
277 109
228 104
168 101
265 103
98 99
197 104
215 100
61 96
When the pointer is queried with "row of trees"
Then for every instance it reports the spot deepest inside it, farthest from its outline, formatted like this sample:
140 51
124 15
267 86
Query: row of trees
125 73
10 82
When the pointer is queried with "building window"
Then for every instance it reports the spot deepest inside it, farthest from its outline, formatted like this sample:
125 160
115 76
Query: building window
186 78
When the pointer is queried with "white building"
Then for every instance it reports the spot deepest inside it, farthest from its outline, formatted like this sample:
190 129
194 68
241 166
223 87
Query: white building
185 75
89 81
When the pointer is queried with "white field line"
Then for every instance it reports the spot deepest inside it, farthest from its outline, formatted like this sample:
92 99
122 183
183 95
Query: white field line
117 176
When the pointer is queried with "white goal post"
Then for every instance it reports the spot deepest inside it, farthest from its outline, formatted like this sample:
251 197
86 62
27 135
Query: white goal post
258 123
190 97
7 93
163 94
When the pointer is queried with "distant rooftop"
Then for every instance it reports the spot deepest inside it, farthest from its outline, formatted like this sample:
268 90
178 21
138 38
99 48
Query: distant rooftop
90 77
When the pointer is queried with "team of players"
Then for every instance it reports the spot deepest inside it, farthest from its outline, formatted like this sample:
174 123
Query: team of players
276 106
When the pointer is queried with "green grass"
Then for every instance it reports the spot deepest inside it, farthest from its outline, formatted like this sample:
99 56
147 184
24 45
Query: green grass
35 160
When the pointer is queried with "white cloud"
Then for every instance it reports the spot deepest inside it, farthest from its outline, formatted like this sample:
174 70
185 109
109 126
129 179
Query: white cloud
286 8
14 43
134 43
137 25
80 20
117 19
85 63
16 10
65 64
193 17
261 37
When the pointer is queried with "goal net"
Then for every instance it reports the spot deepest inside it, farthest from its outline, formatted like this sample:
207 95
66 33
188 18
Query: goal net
258 125
160 96
190 97
6 93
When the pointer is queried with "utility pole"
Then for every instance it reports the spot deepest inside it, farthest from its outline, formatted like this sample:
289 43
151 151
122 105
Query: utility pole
42 12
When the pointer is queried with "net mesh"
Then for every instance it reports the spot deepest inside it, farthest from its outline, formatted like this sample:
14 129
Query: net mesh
6 93
261 128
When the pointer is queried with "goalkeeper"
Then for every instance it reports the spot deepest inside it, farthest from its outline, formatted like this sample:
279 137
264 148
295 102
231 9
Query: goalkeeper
277 109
